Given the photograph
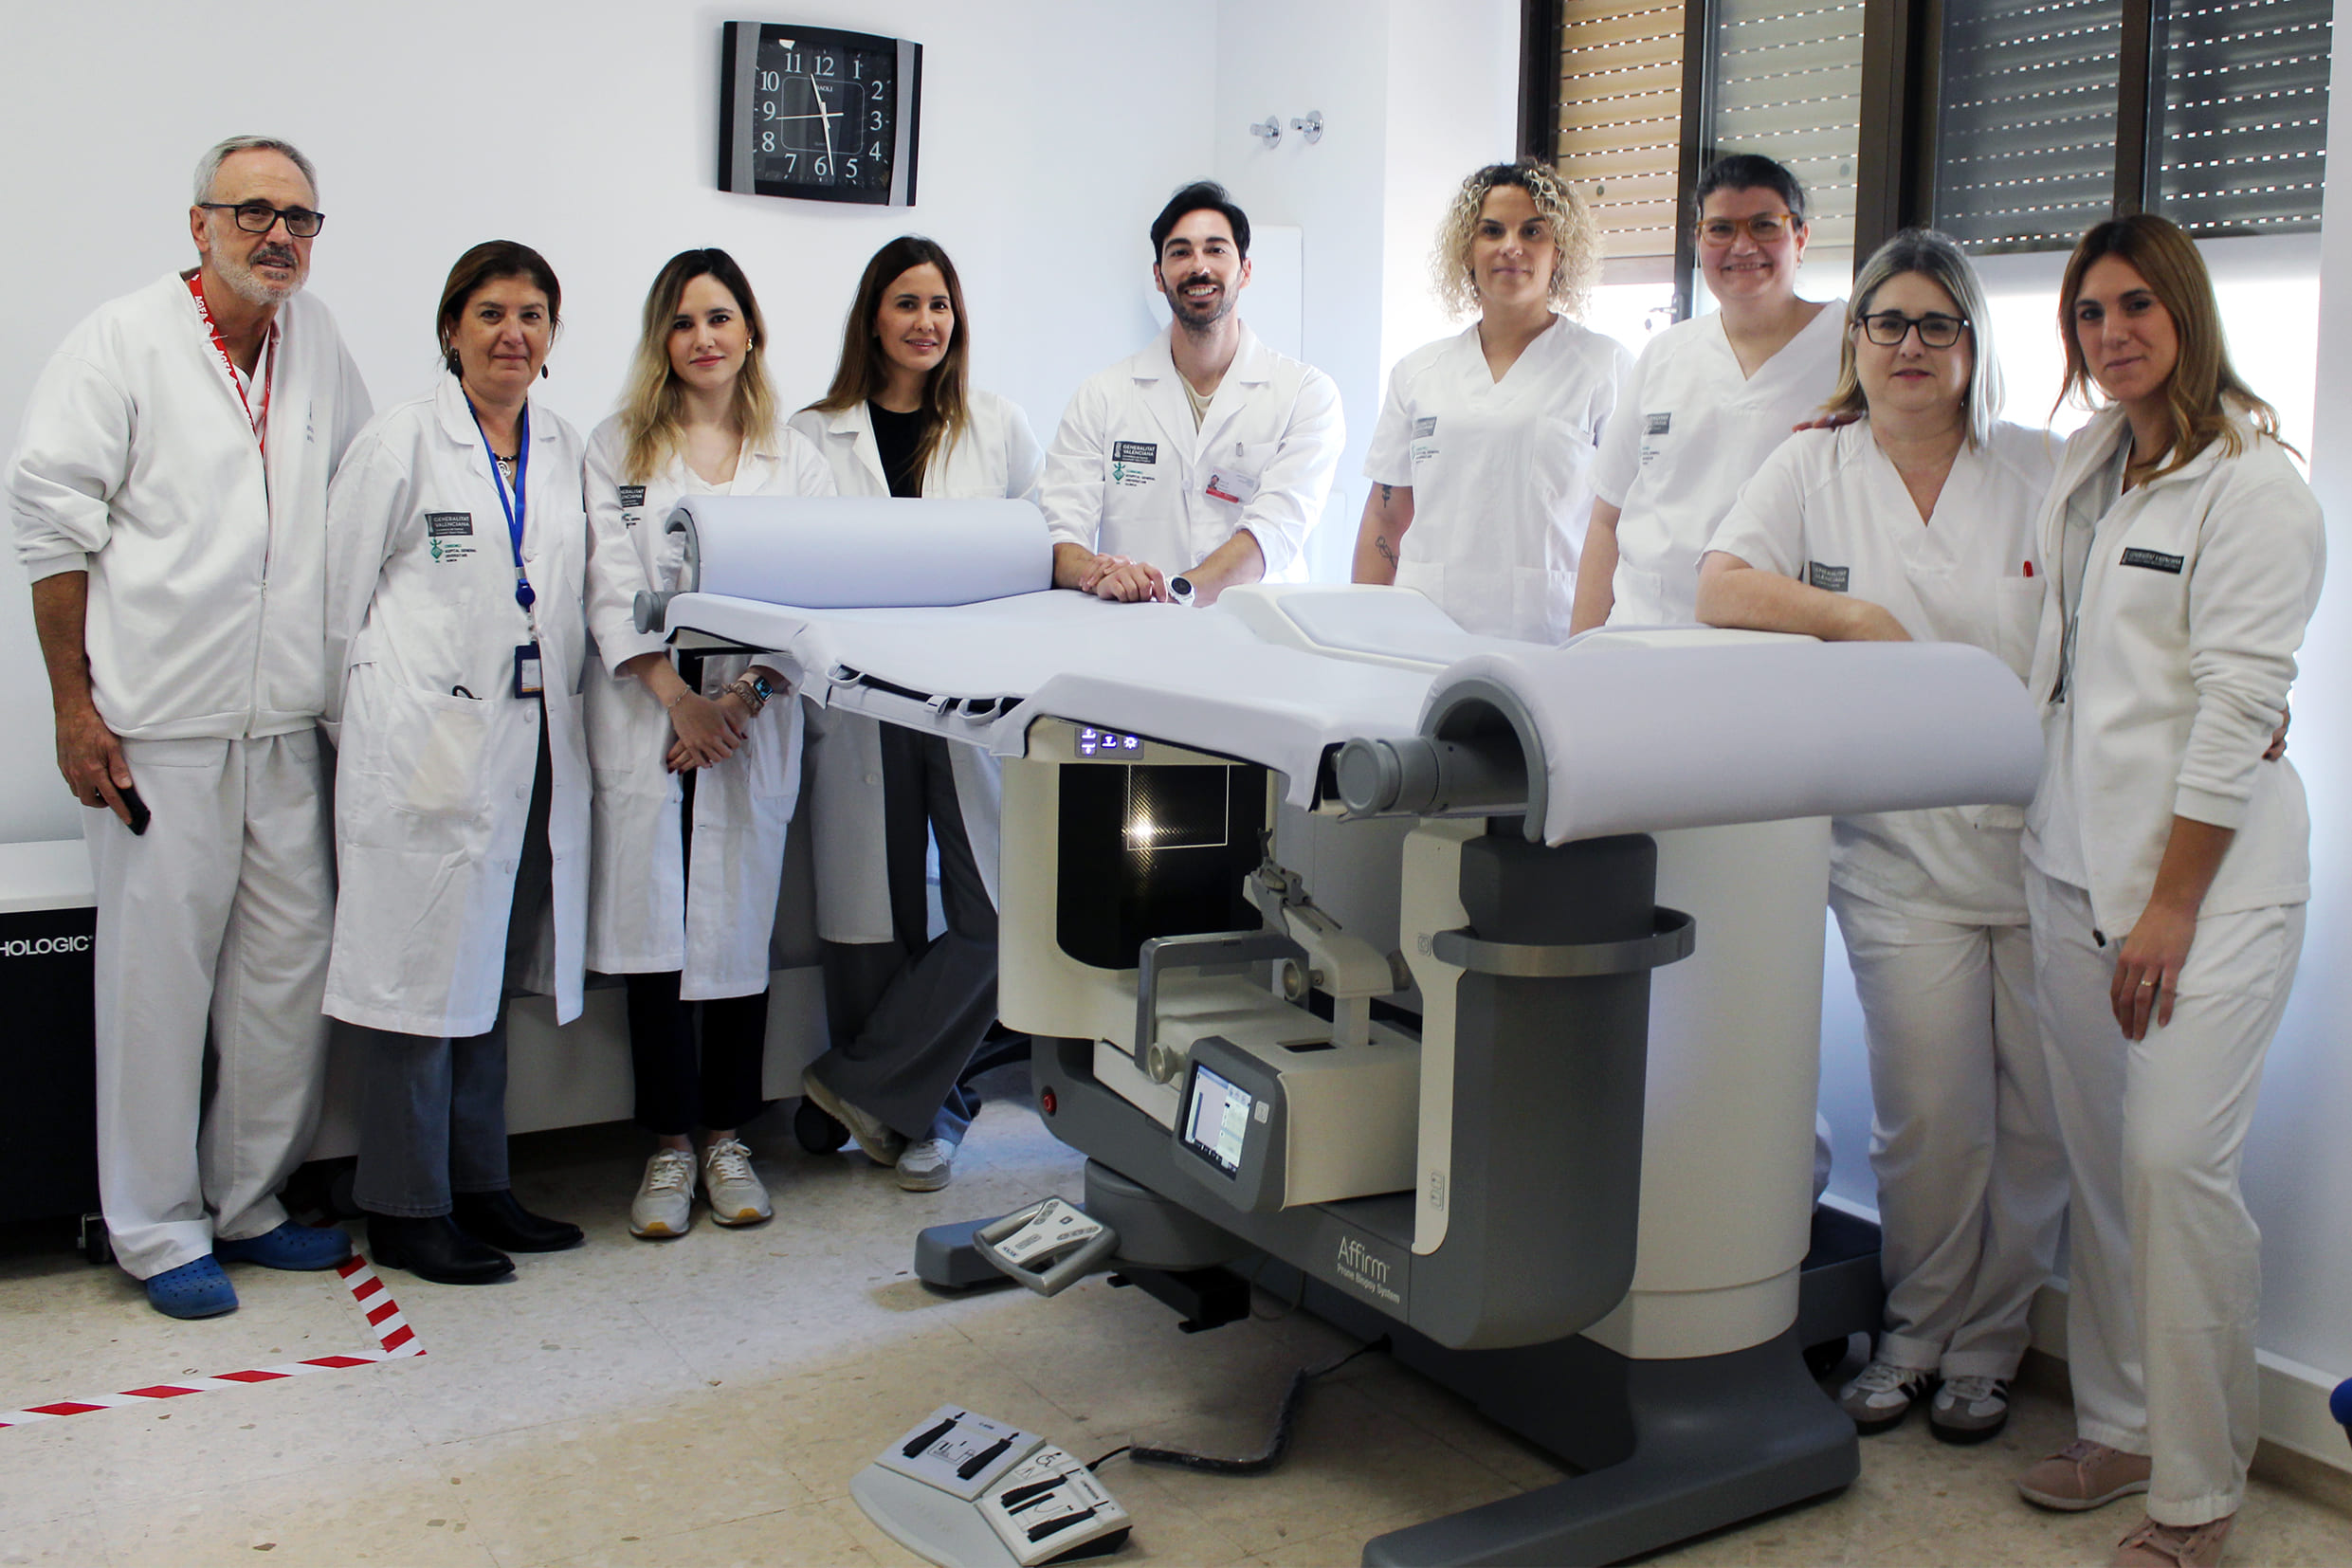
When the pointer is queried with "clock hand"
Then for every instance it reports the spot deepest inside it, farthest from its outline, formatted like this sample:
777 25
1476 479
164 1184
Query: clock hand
825 116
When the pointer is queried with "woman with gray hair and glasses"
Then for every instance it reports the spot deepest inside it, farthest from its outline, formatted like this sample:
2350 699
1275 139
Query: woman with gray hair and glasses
1912 518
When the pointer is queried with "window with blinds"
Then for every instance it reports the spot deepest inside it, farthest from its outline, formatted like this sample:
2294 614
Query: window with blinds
2025 138
1787 83
1620 109
2027 132
2240 143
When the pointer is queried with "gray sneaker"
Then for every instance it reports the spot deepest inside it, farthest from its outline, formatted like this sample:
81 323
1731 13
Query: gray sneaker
882 1145
664 1201
1969 1410
735 1192
927 1166
1881 1396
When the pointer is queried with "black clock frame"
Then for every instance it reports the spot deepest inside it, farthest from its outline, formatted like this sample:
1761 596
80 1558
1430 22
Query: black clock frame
739 51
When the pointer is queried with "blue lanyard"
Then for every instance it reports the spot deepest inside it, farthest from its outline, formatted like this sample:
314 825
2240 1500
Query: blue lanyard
512 506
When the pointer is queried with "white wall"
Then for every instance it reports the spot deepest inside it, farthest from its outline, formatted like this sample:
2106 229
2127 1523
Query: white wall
1414 98
1051 132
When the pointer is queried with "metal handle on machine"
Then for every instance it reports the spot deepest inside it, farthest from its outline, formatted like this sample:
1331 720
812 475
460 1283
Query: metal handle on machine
652 609
1203 950
1672 937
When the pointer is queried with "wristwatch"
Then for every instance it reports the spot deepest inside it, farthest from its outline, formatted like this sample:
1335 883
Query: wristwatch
1180 590
754 691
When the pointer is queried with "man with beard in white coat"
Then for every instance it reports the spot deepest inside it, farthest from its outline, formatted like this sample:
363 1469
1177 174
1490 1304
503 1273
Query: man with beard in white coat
169 492
1201 461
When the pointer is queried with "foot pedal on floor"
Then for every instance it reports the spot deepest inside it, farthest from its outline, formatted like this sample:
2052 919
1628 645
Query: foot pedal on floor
964 1491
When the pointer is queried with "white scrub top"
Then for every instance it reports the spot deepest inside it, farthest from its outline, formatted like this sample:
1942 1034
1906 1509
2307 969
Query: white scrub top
1829 509
1501 471
1692 432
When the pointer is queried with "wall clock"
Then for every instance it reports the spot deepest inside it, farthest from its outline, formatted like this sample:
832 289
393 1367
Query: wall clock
818 113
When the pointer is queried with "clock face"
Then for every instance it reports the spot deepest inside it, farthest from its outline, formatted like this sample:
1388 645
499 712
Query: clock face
819 113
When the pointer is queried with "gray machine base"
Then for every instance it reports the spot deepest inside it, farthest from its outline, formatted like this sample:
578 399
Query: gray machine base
1668 1449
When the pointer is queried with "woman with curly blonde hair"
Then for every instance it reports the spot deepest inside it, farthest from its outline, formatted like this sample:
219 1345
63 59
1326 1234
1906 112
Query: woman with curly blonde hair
1481 464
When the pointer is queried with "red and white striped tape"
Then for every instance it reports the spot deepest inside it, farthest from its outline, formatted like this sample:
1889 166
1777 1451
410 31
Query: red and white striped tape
395 1342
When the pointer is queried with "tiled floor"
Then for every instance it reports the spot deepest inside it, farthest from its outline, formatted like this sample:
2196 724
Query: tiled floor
706 1401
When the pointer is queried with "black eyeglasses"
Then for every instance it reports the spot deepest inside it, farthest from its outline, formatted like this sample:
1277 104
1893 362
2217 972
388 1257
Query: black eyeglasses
1887 328
259 217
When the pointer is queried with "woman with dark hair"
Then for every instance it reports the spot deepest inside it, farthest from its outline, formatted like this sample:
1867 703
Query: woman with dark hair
1916 523
458 561
1482 463
906 1011
695 788
1708 400
2168 867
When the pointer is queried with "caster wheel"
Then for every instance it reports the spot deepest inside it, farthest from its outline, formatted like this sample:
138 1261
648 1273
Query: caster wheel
816 1130
97 1246
1824 1359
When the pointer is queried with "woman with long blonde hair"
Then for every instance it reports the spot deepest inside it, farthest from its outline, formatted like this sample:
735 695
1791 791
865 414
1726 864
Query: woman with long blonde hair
695 782
2168 867
1481 464
907 1011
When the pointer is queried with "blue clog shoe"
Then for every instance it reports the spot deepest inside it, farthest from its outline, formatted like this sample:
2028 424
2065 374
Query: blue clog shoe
197 1289
291 1246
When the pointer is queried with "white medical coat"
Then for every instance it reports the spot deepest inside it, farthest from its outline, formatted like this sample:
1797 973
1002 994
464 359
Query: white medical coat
136 464
1829 509
710 918
435 753
1501 473
1129 475
2196 594
998 456
1690 431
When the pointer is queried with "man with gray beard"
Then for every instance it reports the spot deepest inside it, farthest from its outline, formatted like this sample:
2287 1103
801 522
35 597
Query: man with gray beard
168 494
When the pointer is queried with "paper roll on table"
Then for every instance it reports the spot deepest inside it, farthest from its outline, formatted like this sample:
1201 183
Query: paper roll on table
856 552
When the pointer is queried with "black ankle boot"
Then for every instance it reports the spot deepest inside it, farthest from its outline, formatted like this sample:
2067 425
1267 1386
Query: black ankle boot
434 1248
497 1219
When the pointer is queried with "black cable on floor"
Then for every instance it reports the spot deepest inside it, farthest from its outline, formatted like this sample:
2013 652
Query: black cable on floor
1285 1422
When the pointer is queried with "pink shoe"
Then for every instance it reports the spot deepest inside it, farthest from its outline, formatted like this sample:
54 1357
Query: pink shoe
2155 1546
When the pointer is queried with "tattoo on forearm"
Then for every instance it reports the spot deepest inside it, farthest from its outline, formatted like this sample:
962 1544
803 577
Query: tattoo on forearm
1379 543
1387 494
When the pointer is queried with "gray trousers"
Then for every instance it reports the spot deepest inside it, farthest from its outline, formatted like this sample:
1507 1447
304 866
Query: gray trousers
432 1111
906 1015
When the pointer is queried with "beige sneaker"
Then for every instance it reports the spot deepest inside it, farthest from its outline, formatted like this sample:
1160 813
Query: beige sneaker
882 1145
2083 1475
2155 1546
736 1197
664 1203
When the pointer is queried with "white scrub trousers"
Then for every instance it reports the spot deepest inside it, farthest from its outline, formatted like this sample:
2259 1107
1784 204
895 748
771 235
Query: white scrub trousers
221 914
2166 1265
1972 1180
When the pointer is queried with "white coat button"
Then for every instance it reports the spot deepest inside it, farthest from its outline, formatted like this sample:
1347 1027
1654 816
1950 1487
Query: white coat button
522 795
873 779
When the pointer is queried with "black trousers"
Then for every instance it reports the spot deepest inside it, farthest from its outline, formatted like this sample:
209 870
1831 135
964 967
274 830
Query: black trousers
689 1078
906 1015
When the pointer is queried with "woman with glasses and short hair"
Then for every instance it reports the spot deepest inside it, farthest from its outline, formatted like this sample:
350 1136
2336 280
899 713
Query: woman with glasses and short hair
1708 400
457 564
695 778
1915 523
1482 461
2168 864
907 1010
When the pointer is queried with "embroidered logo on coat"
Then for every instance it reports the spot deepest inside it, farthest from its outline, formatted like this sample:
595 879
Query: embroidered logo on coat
632 496
1658 424
444 526
1829 579
2155 561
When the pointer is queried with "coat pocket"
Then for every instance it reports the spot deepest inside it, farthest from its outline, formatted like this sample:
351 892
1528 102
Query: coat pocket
424 749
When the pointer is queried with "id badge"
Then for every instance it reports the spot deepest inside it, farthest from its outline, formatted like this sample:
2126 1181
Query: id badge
527 682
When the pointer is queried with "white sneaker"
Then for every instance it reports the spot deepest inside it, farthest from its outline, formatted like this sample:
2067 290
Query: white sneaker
665 1202
927 1166
1969 1410
1882 1395
736 1195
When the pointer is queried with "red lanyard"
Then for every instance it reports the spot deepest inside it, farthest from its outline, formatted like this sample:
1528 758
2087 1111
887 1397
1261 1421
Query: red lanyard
269 362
